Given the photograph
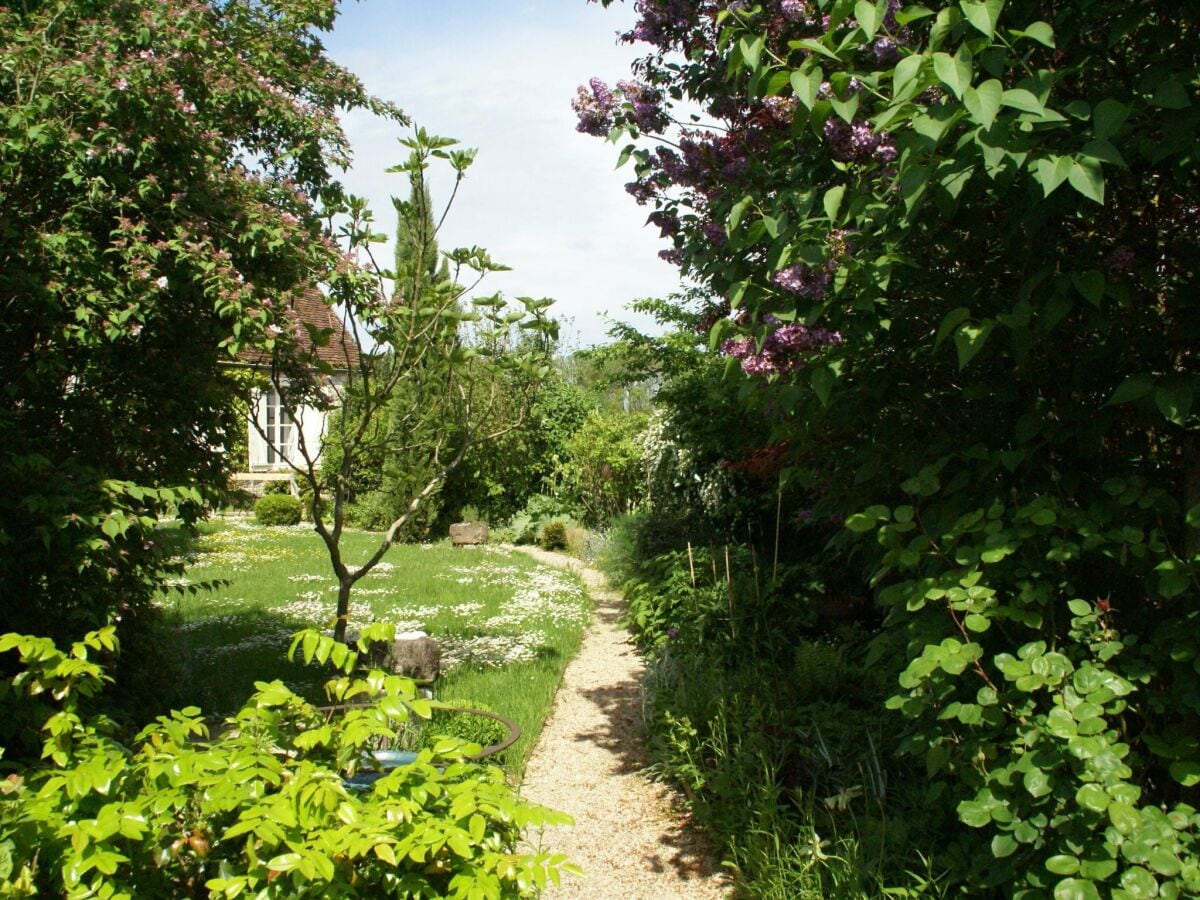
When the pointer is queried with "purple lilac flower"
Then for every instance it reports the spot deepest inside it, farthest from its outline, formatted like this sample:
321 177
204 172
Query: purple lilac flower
661 23
715 234
794 10
804 280
667 223
781 109
782 350
674 257
641 191
1121 259
647 105
858 142
594 108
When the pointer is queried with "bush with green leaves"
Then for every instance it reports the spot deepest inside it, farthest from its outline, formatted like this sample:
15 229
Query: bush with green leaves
277 509
554 536
258 805
953 249
165 164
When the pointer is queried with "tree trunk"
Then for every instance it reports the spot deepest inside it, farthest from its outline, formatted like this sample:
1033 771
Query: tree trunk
343 608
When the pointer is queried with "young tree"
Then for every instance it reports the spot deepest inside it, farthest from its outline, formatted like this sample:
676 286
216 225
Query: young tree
162 165
956 244
447 374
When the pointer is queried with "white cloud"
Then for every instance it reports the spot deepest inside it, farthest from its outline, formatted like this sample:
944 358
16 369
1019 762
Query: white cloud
542 198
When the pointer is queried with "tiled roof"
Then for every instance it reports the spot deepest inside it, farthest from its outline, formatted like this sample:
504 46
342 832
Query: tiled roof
310 306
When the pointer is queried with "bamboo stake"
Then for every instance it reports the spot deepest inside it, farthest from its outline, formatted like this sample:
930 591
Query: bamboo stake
729 594
692 565
778 513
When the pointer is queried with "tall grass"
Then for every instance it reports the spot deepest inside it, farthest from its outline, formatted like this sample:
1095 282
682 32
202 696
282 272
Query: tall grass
507 625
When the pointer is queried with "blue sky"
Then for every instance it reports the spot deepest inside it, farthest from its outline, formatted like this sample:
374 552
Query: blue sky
541 197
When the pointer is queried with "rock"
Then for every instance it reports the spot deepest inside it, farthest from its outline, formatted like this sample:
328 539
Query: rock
419 658
468 533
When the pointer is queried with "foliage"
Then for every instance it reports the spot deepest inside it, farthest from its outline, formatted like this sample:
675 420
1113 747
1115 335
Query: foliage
481 730
603 472
502 476
162 166
794 781
276 487
554 536
954 250
262 807
277 509
539 510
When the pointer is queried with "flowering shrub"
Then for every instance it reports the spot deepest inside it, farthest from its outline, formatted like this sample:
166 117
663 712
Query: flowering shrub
999 224
263 807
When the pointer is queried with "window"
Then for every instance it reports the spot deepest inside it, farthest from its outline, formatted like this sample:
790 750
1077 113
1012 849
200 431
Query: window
279 429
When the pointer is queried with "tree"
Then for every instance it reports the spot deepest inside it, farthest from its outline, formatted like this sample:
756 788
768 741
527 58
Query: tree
956 248
444 379
162 168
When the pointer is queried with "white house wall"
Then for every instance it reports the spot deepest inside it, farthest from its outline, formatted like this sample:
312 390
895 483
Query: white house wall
308 421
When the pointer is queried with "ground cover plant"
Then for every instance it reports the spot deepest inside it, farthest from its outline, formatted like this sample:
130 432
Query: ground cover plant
506 625
950 251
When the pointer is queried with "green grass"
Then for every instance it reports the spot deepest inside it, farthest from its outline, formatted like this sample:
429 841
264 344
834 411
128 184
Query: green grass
507 626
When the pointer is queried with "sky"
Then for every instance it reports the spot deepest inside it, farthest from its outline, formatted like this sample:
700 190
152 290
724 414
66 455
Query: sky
499 76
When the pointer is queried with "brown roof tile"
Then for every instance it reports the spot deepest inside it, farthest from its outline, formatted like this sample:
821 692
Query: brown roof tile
310 306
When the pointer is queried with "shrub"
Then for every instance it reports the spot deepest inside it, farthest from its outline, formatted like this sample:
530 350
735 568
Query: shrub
273 488
277 509
554 536
166 820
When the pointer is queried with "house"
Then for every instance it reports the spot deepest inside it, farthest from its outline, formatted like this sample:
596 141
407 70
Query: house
274 434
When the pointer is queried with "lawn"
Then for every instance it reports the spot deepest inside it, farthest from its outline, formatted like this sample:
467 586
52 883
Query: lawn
506 625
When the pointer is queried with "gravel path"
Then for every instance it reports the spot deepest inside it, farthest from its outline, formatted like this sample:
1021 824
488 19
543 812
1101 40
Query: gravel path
630 836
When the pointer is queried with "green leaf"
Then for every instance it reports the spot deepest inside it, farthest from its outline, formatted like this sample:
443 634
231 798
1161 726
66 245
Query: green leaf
751 50
1186 772
977 623
1170 94
1076 889
1140 884
1093 797
906 74
954 71
950 322
1108 117
822 383
1090 285
970 340
739 210
1124 818
1036 782
1132 388
1103 151
983 102
869 16
1004 845
807 85
860 523
983 15
1087 178
1062 864
1040 32
1174 402
832 201
1052 172
1026 101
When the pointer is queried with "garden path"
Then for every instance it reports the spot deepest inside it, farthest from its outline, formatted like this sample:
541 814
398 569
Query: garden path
630 836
